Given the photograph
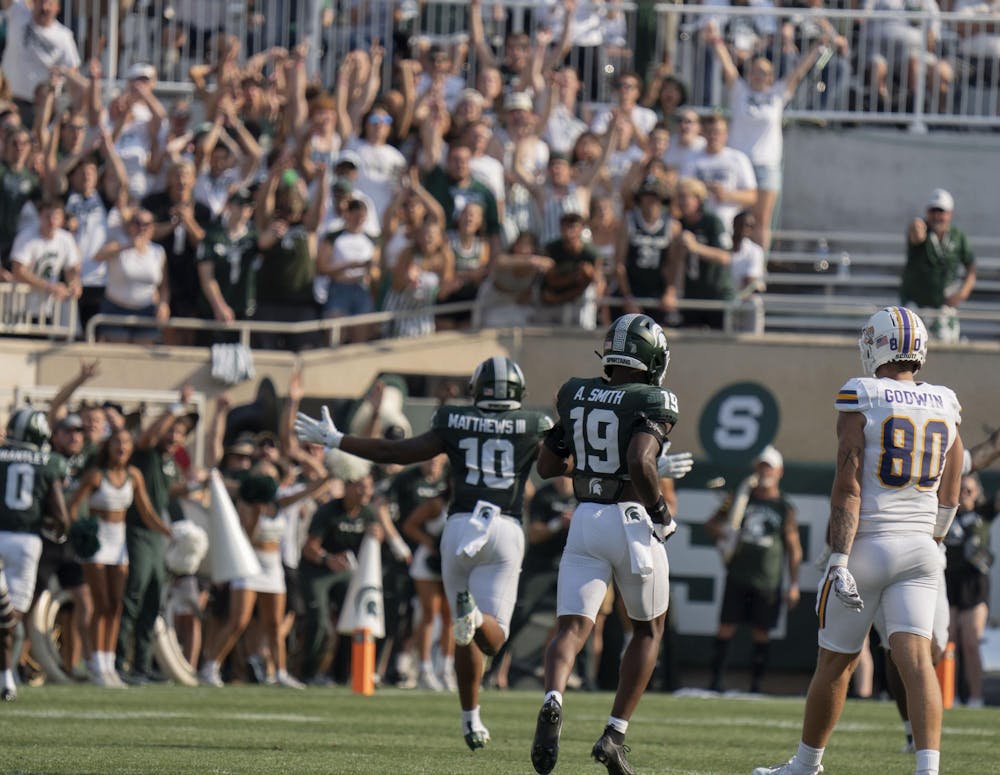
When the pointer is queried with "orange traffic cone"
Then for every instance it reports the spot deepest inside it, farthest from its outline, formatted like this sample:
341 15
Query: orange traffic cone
363 663
946 676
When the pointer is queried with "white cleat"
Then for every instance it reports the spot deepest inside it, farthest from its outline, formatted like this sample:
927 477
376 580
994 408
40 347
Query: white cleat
449 681
208 677
427 680
288 681
791 767
468 618
908 747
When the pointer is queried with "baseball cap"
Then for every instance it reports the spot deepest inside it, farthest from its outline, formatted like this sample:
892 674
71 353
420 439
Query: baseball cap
243 444
941 200
70 422
654 186
518 100
141 70
472 95
348 157
771 456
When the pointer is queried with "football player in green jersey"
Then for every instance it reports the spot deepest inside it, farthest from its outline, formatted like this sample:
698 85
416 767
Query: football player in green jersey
491 447
609 437
32 482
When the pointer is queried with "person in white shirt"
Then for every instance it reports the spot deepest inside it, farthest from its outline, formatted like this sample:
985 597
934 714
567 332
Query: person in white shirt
748 268
225 164
381 164
137 280
438 74
87 218
727 173
628 88
45 256
686 142
36 43
559 114
756 108
350 259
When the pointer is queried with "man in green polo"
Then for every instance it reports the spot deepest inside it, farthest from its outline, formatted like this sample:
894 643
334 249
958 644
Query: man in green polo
154 457
940 269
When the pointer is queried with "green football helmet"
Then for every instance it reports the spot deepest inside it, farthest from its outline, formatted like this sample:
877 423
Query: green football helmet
497 383
637 342
29 427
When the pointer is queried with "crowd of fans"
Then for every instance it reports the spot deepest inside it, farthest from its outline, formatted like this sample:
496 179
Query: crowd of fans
294 200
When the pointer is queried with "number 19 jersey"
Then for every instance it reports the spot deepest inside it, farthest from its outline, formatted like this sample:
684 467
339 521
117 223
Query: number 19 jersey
909 428
491 453
599 419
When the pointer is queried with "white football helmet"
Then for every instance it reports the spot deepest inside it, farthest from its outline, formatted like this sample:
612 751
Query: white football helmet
892 334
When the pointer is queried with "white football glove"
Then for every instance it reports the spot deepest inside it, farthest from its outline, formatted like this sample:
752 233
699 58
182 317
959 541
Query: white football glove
674 466
844 587
663 532
321 431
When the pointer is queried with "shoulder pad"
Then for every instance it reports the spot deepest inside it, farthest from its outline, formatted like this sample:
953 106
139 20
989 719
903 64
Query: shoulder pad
853 396
659 404
954 404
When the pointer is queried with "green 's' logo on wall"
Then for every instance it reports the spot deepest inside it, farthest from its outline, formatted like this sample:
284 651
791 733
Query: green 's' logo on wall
738 422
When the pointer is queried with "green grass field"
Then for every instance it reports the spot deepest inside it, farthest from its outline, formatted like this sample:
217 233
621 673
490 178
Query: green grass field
241 730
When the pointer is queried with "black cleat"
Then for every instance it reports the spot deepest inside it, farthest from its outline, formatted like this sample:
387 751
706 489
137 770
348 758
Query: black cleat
476 738
545 747
8 694
612 755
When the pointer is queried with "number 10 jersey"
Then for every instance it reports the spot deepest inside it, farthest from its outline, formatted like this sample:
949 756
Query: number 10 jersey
490 453
909 428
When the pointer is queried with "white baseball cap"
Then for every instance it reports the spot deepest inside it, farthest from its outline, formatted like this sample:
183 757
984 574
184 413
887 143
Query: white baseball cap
941 200
771 456
518 100
140 70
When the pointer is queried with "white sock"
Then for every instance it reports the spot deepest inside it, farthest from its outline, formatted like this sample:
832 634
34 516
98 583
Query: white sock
448 665
810 757
107 661
470 718
553 695
8 679
928 761
210 667
426 666
618 724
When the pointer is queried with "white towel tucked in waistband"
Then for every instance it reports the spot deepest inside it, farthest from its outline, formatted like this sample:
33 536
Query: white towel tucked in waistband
477 529
638 536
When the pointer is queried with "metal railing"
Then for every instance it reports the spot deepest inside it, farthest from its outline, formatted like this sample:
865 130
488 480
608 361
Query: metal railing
173 35
27 312
940 69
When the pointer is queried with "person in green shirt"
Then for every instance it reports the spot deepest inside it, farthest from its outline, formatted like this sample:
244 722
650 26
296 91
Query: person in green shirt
18 184
700 258
228 263
571 287
940 270
154 457
765 534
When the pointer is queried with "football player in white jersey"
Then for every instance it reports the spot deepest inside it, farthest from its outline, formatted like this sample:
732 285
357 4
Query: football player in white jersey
899 463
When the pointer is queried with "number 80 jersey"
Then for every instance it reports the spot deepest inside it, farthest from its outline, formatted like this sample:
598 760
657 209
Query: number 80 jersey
909 428
599 419
490 453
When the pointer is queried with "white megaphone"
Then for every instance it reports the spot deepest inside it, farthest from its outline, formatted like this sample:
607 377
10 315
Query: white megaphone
363 605
230 555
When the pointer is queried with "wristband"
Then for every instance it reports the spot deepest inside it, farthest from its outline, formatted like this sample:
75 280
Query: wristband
398 548
660 514
837 560
177 408
945 516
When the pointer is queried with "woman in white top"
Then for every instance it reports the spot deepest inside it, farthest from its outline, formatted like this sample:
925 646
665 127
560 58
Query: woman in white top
109 488
264 519
137 282
423 526
756 107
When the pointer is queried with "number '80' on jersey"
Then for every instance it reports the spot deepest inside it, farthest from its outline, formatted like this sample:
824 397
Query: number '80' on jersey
909 428
599 419
490 452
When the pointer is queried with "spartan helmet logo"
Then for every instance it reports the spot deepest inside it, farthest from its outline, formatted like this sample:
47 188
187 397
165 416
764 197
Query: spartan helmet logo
632 514
596 487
